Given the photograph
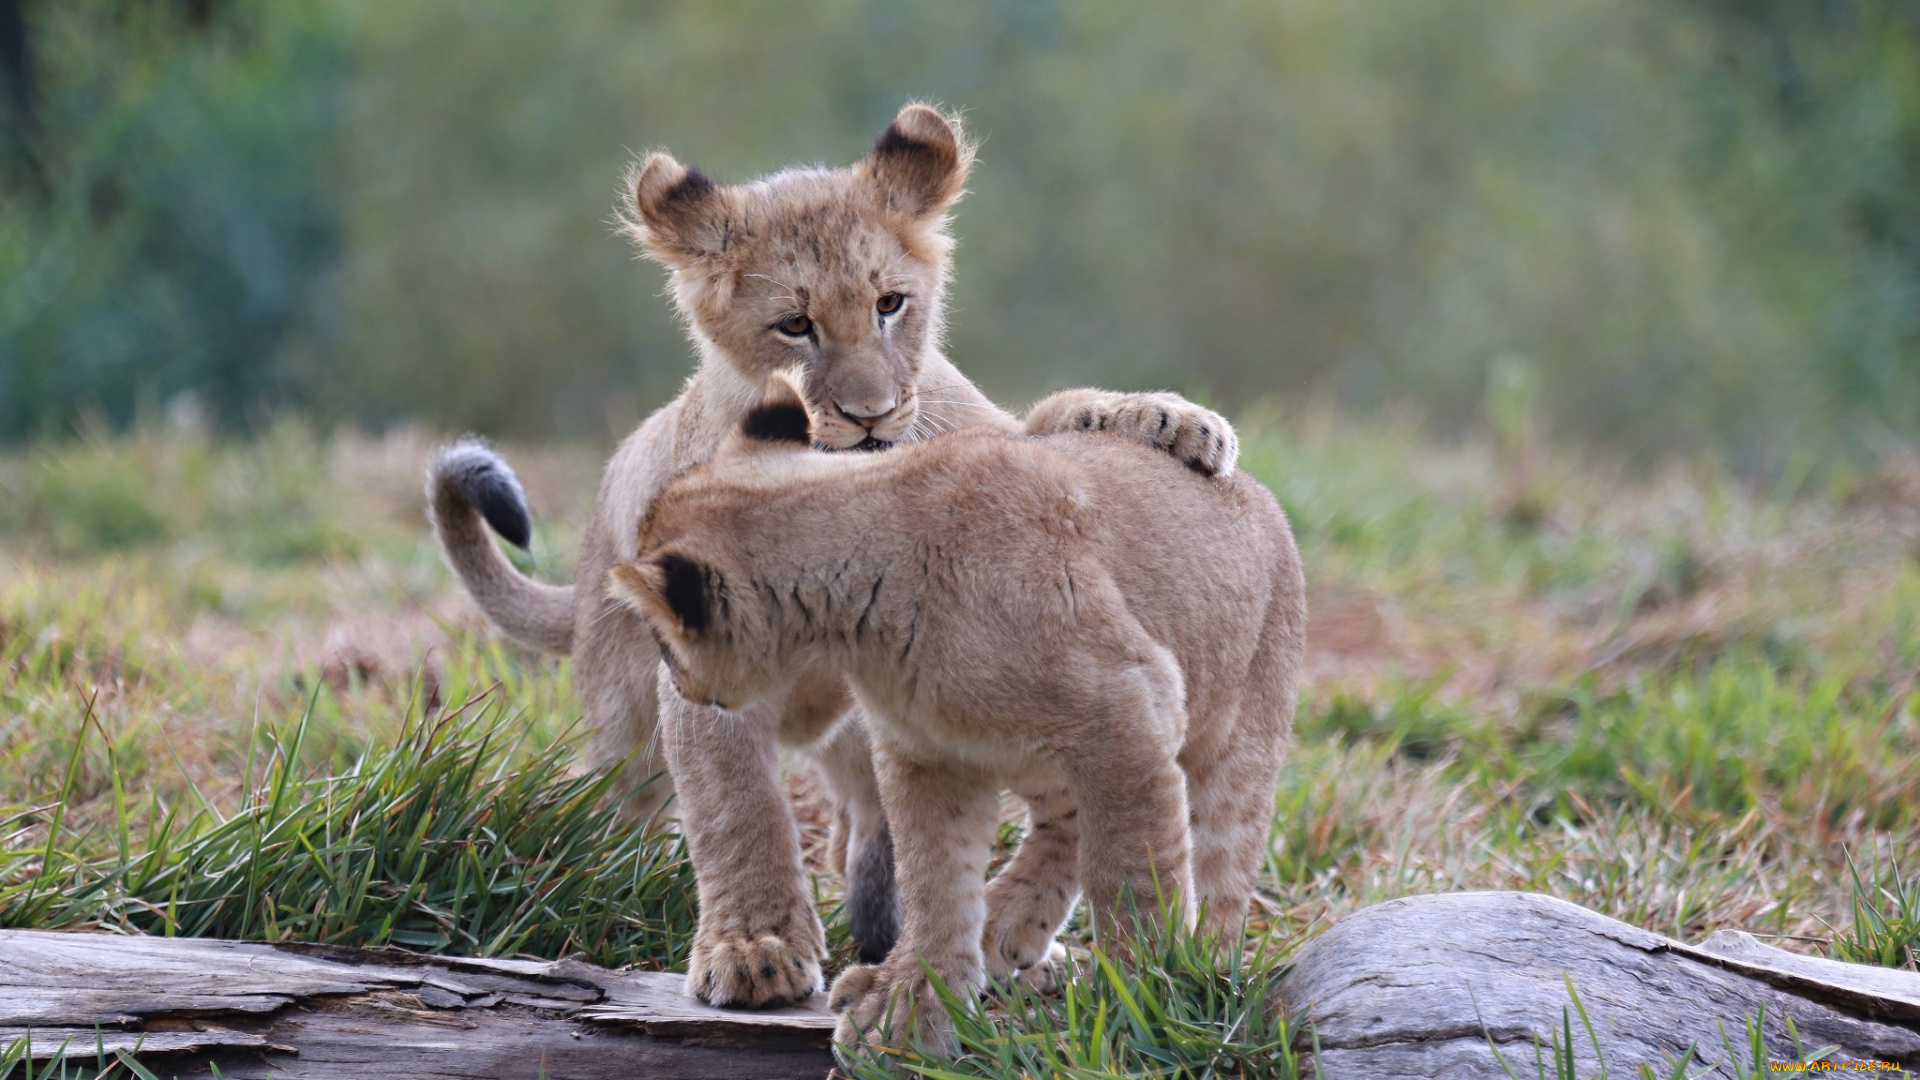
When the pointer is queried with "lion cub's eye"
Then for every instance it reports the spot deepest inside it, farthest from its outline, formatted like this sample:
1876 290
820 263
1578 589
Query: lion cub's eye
889 303
795 326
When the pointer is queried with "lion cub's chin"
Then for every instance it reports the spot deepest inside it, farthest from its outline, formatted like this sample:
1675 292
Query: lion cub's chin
866 443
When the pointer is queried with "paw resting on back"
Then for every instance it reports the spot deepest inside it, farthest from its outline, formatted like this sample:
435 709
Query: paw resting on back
1197 436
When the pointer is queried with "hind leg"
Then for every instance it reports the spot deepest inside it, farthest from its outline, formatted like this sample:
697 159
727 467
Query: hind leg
1031 899
1232 796
1118 758
616 675
1232 813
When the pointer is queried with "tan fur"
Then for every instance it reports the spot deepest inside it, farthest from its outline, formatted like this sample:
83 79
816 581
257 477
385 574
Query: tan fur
1076 617
827 244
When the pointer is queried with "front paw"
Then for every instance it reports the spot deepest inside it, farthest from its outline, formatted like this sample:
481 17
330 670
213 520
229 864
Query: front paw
1200 437
890 1004
749 972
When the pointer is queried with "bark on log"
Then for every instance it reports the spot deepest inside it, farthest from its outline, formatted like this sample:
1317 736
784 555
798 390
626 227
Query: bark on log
1419 987
292 1011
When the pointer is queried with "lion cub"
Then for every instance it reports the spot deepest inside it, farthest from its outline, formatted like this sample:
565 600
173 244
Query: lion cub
1076 617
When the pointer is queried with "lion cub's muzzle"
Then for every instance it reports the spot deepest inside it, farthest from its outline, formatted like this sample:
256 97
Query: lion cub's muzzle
847 428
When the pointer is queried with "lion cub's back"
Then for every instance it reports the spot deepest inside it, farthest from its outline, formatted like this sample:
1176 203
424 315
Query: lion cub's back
1208 565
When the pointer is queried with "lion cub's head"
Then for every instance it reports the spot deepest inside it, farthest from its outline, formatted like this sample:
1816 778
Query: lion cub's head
835 274
693 580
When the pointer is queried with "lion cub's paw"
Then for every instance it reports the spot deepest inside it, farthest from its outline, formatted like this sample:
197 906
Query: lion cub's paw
1044 977
1018 937
754 972
1200 437
1206 441
889 1004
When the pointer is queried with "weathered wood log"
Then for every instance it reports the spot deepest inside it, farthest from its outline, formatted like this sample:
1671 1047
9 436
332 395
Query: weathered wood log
185 1007
1420 987
1425 986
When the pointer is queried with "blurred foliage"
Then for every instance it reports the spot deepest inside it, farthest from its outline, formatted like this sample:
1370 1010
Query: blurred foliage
1682 227
168 208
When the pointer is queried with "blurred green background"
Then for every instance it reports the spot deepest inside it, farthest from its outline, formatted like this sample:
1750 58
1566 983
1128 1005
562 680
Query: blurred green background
1662 226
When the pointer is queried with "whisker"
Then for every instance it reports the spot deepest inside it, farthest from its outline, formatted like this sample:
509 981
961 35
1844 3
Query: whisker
612 609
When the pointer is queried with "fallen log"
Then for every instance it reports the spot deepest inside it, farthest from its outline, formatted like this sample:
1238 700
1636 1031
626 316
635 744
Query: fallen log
1427 986
1420 987
187 1007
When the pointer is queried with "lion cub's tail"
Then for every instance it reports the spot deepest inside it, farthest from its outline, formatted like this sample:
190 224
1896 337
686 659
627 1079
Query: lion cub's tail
466 483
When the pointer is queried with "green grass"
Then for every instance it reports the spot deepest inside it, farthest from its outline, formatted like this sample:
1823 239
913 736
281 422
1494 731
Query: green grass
1886 919
1178 1006
239 695
93 1062
455 838
15 1062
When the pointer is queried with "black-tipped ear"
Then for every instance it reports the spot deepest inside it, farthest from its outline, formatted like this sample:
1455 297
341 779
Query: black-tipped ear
688 592
683 214
921 161
778 422
781 416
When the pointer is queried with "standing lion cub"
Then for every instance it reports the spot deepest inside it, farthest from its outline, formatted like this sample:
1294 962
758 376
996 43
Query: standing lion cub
1077 617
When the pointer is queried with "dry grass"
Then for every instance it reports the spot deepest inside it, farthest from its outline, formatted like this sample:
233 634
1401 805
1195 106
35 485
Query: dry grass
1674 699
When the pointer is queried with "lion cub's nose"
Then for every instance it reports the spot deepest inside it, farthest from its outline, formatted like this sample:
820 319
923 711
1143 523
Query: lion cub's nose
868 414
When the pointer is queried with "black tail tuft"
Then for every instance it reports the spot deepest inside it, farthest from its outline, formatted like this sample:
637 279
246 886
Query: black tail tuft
873 903
489 486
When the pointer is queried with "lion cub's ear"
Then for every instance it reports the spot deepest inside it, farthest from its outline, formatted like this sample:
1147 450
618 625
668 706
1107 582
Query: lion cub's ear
682 215
781 417
670 591
920 163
